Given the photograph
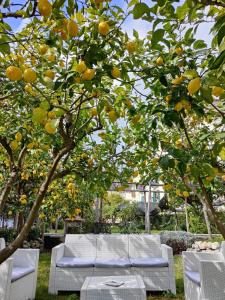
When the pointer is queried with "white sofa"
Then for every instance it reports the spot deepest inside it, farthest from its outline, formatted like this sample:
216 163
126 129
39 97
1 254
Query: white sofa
110 255
18 274
204 275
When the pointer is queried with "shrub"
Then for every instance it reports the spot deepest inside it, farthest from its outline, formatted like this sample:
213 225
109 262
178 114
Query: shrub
8 234
178 240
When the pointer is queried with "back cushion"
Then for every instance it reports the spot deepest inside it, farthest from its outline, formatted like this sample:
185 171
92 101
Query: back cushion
144 245
113 246
80 245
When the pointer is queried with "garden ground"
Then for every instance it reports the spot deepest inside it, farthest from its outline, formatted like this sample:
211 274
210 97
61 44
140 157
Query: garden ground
43 275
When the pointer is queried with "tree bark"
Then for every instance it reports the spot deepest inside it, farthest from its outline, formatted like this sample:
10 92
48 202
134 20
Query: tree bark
7 189
207 222
8 251
212 212
186 216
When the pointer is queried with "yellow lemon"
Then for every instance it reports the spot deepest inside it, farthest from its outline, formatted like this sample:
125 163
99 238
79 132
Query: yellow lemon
50 127
217 91
136 119
51 115
103 28
194 85
178 193
43 49
94 112
81 67
29 75
89 74
131 47
18 137
178 106
14 73
159 61
45 8
155 161
179 50
72 28
115 72
112 116
185 194
178 80
14 145
50 74
51 57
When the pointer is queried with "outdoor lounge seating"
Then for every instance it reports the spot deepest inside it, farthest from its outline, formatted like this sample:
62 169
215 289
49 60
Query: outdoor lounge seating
89 255
204 275
18 275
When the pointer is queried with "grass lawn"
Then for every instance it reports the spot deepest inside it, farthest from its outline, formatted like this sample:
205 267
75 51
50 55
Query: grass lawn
43 274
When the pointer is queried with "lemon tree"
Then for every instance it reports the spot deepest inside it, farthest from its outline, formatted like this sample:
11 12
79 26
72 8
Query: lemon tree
63 93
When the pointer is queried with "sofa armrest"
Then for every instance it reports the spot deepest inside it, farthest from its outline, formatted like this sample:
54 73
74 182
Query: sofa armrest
212 274
26 257
57 253
2 243
167 252
5 278
191 260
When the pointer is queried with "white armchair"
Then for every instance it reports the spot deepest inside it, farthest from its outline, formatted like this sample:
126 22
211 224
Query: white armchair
204 275
2 243
18 275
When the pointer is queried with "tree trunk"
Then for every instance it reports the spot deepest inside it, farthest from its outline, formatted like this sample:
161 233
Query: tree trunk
212 212
5 192
56 225
147 225
6 252
186 215
207 222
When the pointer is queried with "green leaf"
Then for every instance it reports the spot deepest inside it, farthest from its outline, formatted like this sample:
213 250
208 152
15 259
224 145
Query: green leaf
199 44
221 34
206 93
140 9
4 48
182 11
157 36
132 2
218 61
161 2
208 169
188 34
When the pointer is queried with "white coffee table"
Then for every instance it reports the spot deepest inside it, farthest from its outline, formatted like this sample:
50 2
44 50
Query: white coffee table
94 288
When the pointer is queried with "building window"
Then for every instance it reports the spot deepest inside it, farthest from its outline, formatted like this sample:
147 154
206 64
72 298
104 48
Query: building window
142 197
155 197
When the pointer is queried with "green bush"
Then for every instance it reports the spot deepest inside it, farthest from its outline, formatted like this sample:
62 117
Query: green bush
8 234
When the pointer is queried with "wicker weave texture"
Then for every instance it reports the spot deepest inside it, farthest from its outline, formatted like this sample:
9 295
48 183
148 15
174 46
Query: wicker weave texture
113 246
211 267
25 287
95 289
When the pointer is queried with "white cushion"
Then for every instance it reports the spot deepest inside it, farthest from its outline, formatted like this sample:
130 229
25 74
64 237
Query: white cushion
144 246
75 262
112 263
152 262
80 245
19 272
112 246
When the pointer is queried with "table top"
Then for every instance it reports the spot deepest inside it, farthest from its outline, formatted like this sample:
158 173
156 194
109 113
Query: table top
98 282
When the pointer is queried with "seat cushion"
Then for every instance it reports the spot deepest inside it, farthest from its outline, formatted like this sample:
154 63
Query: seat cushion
112 263
154 262
19 272
75 262
194 277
